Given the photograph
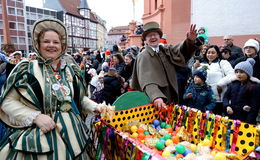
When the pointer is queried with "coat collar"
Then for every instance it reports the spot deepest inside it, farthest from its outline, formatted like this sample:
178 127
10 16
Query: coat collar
151 50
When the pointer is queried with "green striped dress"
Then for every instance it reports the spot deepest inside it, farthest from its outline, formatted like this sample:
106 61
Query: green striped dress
57 95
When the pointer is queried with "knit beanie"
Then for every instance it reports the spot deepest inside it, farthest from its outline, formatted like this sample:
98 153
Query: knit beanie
202 73
246 66
252 43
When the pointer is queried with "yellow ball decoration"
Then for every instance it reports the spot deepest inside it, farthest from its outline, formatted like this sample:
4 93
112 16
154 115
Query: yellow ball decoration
206 142
135 135
133 129
166 154
220 156
193 147
168 142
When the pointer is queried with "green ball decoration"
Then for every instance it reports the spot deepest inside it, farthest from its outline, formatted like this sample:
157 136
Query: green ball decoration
180 148
146 132
167 136
162 138
163 125
145 156
168 125
159 145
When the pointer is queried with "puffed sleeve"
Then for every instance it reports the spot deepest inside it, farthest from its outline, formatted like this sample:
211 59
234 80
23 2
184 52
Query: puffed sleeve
88 105
18 113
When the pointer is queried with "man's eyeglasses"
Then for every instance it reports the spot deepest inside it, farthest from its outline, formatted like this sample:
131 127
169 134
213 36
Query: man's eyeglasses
227 39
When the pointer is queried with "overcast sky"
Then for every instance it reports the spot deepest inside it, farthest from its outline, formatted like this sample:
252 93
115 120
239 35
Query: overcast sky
114 12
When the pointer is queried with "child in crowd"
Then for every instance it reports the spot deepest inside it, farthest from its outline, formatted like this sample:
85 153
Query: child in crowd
98 90
240 98
199 95
93 82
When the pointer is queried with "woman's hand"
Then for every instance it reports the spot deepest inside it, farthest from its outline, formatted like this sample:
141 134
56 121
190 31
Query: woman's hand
229 110
158 102
44 122
192 34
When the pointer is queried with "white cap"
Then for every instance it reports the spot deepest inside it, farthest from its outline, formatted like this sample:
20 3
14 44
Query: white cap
252 43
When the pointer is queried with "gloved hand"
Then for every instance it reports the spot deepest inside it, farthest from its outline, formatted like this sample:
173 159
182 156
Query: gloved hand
189 95
229 110
246 108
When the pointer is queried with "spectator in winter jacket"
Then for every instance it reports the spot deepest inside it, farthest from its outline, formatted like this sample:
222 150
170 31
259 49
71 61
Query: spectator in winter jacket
251 49
98 90
126 73
118 62
240 98
199 95
226 54
112 86
236 51
3 64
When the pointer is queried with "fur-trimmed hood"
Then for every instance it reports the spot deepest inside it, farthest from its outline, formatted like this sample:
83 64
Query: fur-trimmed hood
227 80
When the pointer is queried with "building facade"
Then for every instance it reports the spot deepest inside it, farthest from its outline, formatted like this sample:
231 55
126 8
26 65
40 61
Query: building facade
86 31
80 21
101 32
175 16
15 31
114 36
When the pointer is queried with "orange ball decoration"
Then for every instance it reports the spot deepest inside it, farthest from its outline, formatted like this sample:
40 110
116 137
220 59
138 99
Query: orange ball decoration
169 129
175 139
140 130
179 156
141 136
160 152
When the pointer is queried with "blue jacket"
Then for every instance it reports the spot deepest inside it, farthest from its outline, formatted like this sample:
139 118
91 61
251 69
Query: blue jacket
202 97
237 96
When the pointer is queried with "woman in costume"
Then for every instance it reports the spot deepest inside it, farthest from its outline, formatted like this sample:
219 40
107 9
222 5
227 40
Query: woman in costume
44 100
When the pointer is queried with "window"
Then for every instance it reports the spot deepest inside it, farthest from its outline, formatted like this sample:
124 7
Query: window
39 10
11 10
33 16
21 26
29 41
14 40
40 16
78 31
29 28
29 34
32 9
0 9
53 13
12 25
1 39
46 12
1 25
155 4
19 12
69 41
21 40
